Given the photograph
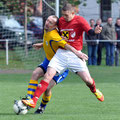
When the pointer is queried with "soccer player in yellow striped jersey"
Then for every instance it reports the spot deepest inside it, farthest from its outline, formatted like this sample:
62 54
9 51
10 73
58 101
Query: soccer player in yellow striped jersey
52 41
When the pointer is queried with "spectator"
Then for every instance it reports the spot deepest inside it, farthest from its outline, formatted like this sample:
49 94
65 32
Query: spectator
109 34
117 29
92 45
101 44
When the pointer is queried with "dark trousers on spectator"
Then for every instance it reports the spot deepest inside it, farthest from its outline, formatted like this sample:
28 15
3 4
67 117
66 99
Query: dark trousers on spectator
110 48
99 53
116 56
92 54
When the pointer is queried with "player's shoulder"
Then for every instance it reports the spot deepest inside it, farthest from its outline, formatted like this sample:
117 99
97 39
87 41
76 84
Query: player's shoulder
54 34
79 18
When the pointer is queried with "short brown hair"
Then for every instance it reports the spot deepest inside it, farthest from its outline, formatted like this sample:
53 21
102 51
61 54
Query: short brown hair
68 7
118 18
92 20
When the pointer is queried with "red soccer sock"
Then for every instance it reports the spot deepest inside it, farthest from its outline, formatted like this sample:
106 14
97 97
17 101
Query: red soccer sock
40 89
92 87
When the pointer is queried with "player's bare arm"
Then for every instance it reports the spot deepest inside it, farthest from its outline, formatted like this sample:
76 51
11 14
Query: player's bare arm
38 45
77 53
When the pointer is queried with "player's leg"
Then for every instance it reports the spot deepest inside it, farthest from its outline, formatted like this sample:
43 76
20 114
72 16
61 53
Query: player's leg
91 84
79 66
54 66
47 94
37 73
45 98
41 88
85 76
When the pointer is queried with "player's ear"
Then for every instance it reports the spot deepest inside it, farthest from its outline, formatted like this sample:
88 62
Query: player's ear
73 12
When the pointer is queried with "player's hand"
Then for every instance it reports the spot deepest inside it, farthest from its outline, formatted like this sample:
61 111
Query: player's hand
83 56
37 46
98 29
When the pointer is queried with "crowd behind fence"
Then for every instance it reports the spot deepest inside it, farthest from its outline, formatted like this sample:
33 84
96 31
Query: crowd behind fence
36 55
116 50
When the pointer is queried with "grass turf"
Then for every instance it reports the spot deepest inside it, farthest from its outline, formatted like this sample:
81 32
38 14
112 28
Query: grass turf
71 99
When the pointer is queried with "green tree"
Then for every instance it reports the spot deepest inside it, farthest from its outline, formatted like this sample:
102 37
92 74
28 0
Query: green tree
77 2
16 7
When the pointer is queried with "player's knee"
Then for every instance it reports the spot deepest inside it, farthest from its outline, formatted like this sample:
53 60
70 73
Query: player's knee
36 75
48 76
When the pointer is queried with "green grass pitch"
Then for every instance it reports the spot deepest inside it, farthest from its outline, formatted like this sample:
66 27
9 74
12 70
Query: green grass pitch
71 99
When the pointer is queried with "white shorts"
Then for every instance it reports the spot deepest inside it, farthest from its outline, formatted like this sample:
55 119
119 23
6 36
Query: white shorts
65 59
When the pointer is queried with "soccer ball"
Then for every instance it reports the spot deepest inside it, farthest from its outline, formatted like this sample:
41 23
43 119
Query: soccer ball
19 107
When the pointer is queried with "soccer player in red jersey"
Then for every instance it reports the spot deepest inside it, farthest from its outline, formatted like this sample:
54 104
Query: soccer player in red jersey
71 27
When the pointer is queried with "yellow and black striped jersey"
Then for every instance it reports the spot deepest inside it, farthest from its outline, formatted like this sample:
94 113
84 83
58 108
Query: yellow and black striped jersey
51 42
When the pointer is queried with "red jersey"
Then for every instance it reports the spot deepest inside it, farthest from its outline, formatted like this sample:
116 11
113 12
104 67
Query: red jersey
73 30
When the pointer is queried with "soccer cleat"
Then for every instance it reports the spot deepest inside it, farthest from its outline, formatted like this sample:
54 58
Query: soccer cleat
29 103
99 95
40 110
26 98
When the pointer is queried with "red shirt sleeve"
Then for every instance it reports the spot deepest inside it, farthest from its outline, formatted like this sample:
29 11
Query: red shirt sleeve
84 24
